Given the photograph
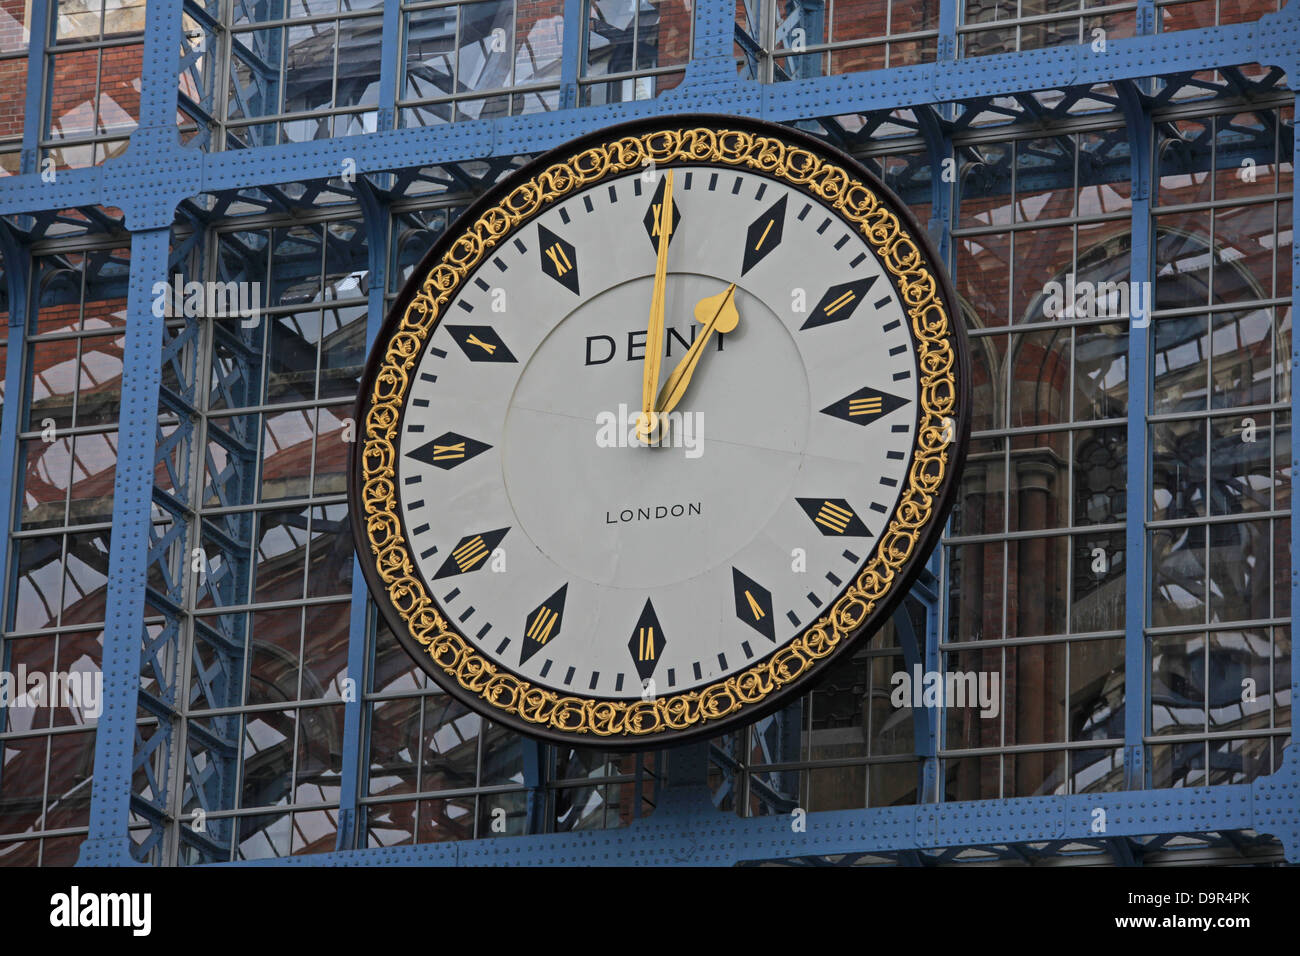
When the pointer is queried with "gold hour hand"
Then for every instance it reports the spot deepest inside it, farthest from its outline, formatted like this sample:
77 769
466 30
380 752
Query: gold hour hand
717 313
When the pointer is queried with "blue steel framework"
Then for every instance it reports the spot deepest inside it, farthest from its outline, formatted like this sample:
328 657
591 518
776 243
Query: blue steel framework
158 175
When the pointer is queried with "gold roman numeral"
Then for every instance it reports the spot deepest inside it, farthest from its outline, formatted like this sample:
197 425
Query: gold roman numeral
645 642
470 553
758 245
834 517
865 406
543 623
487 347
558 259
448 452
841 302
753 606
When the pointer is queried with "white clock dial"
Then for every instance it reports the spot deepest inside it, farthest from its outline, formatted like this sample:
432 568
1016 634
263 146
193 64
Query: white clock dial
611 524
597 565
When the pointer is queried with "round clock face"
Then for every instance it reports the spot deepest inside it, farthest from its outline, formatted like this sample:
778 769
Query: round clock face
658 427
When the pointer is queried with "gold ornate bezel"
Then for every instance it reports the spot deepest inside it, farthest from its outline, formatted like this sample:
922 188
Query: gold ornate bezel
941 418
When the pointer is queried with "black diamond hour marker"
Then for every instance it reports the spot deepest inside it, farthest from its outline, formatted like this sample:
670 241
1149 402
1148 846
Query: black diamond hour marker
839 302
448 450
480 343
653 214
559 258
471 553
753 604
543 625
647 643
834 517
764 235
864 406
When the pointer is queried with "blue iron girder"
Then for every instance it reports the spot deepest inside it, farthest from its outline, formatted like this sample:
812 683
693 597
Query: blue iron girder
107 842
939 151
925 720
1141 264
39 12
946 48
176 172
17 270
157 174
1295 463
133 485
686 830
575 46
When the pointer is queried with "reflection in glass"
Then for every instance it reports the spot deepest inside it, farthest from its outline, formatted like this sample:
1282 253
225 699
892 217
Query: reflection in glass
837 788
1033 774
1097 587
1100 475
1241 464
449 753
1239 684
1239 576
976 595
1096 691
47 468
94 467
1101 372
893 784
394 728
440 820
1177 683
1033 700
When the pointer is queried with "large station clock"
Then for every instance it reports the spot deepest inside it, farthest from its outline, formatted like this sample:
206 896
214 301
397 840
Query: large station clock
656 429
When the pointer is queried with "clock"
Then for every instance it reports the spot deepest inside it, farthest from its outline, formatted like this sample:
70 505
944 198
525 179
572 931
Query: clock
656 429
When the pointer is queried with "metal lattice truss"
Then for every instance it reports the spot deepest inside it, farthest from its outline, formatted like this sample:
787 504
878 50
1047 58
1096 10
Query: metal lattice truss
169 190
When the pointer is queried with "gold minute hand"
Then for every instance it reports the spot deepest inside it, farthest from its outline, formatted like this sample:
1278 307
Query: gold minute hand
655 332
716 313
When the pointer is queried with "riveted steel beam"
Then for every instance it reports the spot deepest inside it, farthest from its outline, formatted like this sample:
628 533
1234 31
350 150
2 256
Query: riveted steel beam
175 173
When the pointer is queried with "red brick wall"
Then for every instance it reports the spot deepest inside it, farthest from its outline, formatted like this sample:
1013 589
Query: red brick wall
675 19
860 20
548 45
1200 13
13 72
74 110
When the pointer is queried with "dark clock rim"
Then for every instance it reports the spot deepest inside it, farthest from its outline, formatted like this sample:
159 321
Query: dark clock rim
906 577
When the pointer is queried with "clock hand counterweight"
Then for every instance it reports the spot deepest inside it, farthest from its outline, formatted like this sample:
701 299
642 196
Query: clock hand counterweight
655 332
716 313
